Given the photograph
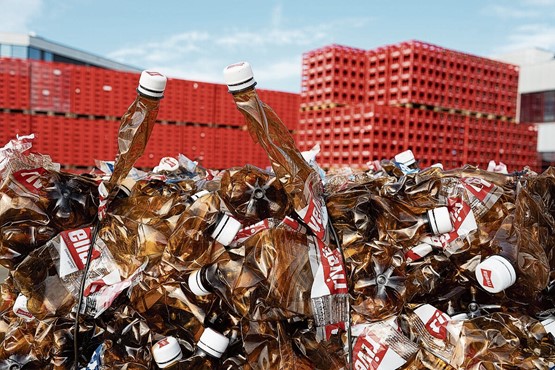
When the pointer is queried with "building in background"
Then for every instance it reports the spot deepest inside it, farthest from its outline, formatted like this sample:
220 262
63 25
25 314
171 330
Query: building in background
30 46
536 90
447 106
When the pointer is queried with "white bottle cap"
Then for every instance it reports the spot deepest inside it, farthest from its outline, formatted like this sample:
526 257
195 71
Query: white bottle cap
195 284
169 164
166 352
239 76
226 229
440 220
213 342
495 274
127 185
20 308
406 158
152 83
549 325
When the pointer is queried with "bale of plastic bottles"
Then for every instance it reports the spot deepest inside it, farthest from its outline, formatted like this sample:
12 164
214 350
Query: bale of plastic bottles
182 267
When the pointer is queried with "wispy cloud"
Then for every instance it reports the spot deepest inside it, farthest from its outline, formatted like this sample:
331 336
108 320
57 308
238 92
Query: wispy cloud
530 35
201 55
511 12
18 14
539 2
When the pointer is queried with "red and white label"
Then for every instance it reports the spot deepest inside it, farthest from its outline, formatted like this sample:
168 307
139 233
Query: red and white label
437 325
330 277
462 218
434 320
74 247
486 275
247 232
30 179
370 353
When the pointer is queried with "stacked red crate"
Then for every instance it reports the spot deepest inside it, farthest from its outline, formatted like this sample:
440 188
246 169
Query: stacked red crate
13 124
225 112
50 86
14 83
333 75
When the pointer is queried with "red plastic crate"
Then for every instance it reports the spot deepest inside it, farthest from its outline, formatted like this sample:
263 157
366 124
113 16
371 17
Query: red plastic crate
13 124
50 86
14 83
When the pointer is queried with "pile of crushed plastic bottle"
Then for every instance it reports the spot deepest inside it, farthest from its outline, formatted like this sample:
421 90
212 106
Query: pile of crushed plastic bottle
182 267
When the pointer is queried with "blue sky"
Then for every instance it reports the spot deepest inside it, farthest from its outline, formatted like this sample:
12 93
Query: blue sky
196 39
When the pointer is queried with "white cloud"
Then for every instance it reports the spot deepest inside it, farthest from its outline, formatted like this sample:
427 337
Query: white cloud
199 55
511 12
18 14
540 2
279 70
530 35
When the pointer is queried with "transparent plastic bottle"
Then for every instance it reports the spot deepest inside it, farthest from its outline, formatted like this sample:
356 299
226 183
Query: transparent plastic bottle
520 264
272 281
303 185
135 128
404 224
252 194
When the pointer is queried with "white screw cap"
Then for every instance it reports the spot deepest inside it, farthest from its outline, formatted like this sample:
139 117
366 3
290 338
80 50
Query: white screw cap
239 76
213 343
226 229
440 220
406 158
152 83
195 284
495 274
166 352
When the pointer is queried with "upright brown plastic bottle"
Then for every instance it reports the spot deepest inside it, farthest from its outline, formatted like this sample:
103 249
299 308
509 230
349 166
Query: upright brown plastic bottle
304 187
134 131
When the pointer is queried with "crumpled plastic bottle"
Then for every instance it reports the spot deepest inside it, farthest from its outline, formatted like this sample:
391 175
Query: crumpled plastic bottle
38 202
252 194
303 185
268 277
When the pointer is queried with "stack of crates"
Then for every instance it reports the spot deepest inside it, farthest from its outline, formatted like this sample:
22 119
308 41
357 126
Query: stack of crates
446 106
75 112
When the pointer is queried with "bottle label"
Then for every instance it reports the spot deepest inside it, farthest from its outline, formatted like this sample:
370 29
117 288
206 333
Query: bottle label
247 232
30 179
380 347
435 321
74 247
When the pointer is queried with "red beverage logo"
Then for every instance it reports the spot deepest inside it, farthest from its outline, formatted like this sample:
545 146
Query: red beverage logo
369 352
163 342
78 243
486 275
437 325
30 179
